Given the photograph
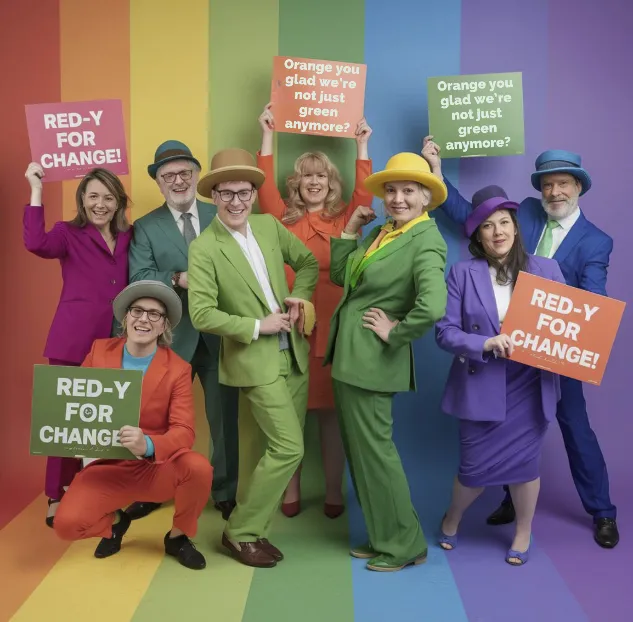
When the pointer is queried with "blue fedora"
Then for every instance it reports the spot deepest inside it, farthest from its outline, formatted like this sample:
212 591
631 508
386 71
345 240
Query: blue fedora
168 151
485 202
560 161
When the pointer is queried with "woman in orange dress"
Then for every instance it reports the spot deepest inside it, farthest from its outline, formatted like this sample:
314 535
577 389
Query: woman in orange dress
314 211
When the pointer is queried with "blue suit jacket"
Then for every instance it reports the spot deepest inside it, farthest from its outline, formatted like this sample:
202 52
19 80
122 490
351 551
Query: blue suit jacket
583 256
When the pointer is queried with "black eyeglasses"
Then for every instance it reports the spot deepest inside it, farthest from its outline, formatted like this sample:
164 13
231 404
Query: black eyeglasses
153 316
242 195
185 175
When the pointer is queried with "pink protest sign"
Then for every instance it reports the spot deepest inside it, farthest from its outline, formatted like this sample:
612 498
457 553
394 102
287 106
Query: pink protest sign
70 138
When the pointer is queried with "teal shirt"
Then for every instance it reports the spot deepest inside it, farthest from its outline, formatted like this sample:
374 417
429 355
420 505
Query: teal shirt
140 363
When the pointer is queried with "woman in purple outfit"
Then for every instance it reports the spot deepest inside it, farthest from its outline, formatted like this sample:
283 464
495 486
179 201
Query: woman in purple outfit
92 250
504 407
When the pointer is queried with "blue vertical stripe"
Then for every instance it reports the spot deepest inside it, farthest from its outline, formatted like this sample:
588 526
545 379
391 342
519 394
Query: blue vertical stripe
407 41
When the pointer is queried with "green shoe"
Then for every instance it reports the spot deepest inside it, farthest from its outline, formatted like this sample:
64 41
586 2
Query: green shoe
364 551
381 564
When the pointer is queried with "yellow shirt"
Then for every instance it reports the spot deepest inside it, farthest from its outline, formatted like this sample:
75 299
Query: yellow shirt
388 233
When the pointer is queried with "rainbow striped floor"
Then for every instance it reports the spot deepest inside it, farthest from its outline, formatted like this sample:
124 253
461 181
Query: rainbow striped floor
568 577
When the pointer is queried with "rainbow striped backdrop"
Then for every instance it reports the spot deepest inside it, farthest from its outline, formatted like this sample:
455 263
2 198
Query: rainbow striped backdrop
199 71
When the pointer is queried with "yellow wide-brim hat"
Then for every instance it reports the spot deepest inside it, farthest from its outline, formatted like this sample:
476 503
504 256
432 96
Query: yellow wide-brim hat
230 165
408 167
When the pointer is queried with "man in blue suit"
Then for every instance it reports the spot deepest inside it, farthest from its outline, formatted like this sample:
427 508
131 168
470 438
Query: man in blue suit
555 227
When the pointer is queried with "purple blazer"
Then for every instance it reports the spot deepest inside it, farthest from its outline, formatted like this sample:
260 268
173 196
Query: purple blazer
476 386
92 277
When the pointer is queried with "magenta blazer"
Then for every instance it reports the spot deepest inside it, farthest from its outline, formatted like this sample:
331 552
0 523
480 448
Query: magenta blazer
476 385
92 277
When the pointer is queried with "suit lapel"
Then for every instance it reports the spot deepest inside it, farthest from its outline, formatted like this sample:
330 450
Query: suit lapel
268 246
93 233
206 212
572 238
153 376
168 224
232 251
482 282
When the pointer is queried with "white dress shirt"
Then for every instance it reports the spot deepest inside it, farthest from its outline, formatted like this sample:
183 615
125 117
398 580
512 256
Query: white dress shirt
255 258
502 293
180 221
559 233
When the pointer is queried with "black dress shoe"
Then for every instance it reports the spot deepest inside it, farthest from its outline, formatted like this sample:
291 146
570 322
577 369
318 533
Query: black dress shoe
503 515
140 509
109 546
606 533
185 552
226 507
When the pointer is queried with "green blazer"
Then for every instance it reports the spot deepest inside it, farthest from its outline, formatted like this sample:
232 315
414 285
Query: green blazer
225 297
157 251
406 280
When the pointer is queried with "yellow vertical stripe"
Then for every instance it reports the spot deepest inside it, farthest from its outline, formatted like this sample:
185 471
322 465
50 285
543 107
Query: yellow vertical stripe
91 70
169 90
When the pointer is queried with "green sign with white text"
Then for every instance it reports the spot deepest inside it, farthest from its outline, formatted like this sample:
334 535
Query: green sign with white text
77 412
477 115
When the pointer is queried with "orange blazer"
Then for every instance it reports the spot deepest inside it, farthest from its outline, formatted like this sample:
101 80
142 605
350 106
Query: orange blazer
167 406
315 232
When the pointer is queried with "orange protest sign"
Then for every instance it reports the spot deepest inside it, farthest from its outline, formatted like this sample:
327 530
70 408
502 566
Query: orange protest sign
562 329
317 96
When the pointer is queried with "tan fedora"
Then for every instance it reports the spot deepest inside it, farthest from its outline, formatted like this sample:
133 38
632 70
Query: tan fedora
230 165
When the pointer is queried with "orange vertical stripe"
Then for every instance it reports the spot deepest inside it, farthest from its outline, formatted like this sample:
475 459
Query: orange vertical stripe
95 63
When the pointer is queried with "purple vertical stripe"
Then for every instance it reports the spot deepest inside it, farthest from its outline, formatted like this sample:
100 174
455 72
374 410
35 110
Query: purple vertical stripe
502 36
590 91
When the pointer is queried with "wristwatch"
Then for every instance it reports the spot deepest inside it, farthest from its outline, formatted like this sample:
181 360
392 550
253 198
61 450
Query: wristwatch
175 279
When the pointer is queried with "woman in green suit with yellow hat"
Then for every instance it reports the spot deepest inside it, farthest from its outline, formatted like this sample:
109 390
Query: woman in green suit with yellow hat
394 291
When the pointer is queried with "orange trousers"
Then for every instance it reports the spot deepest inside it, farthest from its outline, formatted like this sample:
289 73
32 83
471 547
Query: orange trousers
88 508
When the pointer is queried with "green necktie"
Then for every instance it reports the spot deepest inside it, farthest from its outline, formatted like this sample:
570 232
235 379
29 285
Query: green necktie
545 246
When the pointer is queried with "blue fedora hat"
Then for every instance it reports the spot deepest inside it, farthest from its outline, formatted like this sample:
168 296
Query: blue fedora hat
485 202
560 161
168 151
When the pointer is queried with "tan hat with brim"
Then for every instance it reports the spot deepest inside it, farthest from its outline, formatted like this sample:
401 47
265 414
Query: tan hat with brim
149 289
408 167
230 165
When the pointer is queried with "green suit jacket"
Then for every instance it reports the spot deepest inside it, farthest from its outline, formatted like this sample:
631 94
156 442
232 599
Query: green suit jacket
225 297
157 251
406 280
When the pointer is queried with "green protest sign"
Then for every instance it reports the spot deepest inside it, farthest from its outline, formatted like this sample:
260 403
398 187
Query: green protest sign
477 115
77 412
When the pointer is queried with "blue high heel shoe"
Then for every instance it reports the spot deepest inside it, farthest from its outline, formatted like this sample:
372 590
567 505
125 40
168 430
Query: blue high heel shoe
448 543
523 557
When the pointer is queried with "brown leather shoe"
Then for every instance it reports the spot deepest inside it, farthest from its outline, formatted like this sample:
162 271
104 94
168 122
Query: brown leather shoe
271 549
249 553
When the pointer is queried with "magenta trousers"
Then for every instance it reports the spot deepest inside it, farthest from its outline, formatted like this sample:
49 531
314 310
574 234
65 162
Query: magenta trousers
60 471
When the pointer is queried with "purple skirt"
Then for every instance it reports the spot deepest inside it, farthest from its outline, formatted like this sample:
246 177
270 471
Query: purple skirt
494 453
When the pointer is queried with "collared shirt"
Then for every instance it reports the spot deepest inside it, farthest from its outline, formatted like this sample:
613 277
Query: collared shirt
255 258
559 233
180 222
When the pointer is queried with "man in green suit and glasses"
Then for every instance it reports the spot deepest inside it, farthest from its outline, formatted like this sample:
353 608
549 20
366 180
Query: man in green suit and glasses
160 252
238 290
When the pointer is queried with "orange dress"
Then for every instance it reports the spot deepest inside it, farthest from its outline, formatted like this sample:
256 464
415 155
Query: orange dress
315 232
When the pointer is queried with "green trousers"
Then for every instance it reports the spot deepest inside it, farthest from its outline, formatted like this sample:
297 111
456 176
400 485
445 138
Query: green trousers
377 474
279 410
221 407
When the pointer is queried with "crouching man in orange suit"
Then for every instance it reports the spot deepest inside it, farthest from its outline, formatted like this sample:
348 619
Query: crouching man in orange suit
165 467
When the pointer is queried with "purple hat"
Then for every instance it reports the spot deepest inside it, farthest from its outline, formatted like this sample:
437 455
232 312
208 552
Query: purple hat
485 202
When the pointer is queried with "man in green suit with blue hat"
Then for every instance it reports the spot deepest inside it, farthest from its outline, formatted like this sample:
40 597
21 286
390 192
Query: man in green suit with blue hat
238 290
160 252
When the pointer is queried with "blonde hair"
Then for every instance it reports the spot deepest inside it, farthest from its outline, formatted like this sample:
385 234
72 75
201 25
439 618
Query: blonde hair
119 222
309 163
164 340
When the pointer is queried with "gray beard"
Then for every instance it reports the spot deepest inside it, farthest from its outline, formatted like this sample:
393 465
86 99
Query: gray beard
570 207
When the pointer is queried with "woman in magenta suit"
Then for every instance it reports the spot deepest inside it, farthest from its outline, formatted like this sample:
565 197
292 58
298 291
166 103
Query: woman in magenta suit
93 252
504 407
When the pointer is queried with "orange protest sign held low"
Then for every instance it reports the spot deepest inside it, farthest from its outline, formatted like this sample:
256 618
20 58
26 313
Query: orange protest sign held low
317 96
562 329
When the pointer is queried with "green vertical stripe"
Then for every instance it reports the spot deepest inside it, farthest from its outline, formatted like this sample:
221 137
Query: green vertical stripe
328 30
243 41
314 582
